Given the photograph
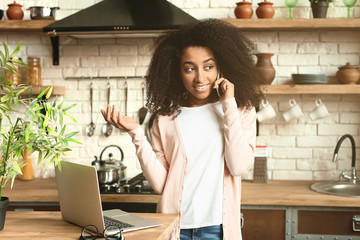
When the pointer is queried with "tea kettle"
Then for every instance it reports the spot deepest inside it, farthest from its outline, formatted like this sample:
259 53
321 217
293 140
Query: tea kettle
111 170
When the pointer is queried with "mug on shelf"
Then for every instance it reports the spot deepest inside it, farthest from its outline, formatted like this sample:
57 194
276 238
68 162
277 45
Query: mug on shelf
293 112
266 111
319 112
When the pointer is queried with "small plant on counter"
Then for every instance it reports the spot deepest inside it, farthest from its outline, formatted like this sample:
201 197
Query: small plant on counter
41 129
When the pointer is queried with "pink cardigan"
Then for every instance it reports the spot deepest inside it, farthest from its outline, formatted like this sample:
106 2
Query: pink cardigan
164 163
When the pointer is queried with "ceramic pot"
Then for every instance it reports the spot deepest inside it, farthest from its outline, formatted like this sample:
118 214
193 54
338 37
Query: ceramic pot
265 67
243 10
4 201
15 12
348 74
319 9
265 10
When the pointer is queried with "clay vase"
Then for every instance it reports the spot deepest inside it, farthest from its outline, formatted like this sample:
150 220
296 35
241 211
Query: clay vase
265 10
15 12
265 67
243 10
348 74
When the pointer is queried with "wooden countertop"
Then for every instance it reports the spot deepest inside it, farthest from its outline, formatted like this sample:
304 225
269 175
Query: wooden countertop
49 225
274 193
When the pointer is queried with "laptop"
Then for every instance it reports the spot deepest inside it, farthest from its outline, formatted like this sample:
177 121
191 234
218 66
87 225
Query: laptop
80 201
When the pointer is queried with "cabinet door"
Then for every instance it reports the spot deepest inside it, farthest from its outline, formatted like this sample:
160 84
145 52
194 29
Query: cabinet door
327 222
260 224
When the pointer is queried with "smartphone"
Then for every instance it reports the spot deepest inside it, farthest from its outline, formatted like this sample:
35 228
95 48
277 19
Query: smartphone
218 89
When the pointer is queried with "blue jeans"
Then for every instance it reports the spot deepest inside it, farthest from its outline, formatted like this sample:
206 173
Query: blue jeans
204 233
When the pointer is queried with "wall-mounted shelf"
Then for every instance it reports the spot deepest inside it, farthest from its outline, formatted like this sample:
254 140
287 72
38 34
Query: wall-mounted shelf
312 89
255 23
57 90
24 25
296 24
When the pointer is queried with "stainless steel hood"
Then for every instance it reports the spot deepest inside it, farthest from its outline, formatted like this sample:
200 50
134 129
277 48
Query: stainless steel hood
117 18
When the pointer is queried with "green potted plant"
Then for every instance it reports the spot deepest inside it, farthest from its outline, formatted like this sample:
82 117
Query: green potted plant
39 128
319 7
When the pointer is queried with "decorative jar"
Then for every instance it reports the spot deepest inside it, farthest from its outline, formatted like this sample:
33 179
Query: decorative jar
243 10
348 74
265 9
15 11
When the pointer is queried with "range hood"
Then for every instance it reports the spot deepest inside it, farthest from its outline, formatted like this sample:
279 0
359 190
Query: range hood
118 18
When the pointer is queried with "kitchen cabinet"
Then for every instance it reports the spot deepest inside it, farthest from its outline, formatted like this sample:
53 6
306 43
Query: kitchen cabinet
334 222
262 224
296 222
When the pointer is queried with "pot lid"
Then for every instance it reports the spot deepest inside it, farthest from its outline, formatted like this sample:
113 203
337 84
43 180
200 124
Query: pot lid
14 4
265 2
348 66
244 2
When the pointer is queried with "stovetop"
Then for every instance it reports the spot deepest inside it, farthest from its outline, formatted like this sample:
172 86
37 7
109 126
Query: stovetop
135 185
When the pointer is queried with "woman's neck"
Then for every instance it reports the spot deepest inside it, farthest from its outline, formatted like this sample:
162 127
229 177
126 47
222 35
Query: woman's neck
195 102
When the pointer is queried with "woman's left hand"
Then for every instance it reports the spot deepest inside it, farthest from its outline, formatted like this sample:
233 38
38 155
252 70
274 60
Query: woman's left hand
227 88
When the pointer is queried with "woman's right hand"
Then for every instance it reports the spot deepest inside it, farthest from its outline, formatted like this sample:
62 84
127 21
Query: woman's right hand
118 120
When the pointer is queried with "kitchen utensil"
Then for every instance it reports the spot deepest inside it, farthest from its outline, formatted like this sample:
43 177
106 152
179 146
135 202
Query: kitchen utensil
91 127
111 170
143 109
126 97
107 128
39 12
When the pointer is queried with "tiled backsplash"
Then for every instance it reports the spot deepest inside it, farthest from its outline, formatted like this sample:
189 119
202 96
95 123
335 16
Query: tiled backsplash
299 149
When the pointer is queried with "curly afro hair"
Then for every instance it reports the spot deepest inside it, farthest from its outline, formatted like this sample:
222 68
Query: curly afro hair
233 53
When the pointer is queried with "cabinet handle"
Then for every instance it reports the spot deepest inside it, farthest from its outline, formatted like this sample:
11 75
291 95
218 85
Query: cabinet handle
356 222
242 220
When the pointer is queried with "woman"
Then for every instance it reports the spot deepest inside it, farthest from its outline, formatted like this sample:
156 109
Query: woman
202 87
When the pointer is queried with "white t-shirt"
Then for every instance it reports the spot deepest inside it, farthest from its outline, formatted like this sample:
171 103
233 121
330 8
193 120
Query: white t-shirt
202 135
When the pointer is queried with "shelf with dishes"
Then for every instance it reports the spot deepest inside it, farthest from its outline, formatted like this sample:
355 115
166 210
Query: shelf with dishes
311 89
296 24
245 24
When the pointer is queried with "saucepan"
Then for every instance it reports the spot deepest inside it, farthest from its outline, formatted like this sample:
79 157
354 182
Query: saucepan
39 12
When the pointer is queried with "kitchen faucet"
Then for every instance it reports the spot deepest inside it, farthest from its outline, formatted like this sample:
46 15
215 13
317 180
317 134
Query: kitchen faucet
353 179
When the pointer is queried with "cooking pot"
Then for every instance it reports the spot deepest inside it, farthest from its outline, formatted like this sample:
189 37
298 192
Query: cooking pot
38 12
110 171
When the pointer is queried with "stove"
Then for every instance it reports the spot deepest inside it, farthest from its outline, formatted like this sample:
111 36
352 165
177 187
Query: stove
135 185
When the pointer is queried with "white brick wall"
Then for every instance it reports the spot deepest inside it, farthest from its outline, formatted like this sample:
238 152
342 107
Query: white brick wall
301 149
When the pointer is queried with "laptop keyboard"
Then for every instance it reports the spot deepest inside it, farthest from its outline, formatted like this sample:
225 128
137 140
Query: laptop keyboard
113 222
